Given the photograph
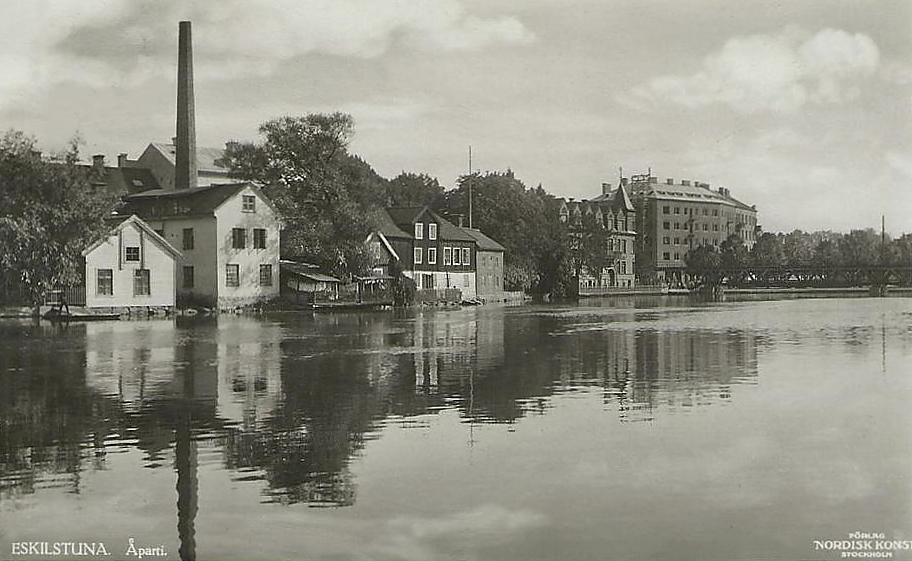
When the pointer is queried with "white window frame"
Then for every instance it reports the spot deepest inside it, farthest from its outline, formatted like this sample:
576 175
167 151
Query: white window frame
418 257
466 257
248 199
456 256
419 230
432 230
447 255
432 256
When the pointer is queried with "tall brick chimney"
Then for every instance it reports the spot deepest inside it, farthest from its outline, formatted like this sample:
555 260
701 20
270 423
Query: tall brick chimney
185 170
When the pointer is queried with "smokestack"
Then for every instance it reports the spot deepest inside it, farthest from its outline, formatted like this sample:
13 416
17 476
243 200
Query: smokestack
185 172
122 160
606 188
98 161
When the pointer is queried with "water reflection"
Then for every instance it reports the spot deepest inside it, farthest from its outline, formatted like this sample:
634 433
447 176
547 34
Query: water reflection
292 403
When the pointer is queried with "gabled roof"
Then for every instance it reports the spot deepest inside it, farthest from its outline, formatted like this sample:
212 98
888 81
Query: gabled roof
189 202
183 202
623 199
206 158
406 216
118 223
483 242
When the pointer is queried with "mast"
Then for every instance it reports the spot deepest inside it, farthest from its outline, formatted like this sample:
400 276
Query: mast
470 185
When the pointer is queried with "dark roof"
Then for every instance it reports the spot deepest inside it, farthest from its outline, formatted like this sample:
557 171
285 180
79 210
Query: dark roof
124 181
483 242
303 270
387 227
206 158
406 216
182 202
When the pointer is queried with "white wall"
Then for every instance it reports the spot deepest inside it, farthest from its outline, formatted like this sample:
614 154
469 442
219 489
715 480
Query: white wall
160 263
230 215
464 281
203 257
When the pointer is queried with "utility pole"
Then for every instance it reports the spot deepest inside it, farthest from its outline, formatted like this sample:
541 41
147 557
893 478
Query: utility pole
470 185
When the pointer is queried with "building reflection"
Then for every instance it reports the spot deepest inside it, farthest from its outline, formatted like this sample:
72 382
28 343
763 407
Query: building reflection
290 405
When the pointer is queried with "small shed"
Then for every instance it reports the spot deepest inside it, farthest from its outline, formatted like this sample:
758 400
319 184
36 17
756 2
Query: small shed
303 283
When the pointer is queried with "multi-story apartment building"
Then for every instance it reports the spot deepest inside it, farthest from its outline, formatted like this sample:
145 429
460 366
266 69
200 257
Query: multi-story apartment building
675 217
615 212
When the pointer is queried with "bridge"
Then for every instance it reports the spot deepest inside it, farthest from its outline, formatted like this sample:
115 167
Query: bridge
810 275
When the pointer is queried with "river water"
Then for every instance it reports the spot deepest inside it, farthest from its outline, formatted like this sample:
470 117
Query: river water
614 429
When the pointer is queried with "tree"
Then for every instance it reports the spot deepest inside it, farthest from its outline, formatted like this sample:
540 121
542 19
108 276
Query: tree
733 257
704 262
327 197
767 251
410 189
49 213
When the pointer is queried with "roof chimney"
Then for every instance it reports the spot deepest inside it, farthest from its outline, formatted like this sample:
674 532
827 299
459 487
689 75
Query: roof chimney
122 160
624 181
185 171
685 182
98 161
653 179
606 188
669 181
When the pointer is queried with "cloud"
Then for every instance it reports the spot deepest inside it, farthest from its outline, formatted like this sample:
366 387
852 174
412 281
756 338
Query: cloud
779 73
121 43
483 521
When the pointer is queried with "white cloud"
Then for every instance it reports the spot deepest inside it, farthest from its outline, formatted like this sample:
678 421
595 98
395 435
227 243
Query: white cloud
232 38
780 72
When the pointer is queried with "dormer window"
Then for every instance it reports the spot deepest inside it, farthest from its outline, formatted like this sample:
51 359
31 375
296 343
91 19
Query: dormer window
248 203
419 230
432 231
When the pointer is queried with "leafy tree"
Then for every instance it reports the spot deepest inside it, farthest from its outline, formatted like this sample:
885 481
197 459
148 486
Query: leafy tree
49 213
327 197
767 251
899 252
797 248
704 263
410 189
733 257
860 247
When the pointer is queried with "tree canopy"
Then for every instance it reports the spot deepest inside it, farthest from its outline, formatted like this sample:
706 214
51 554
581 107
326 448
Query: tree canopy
49 213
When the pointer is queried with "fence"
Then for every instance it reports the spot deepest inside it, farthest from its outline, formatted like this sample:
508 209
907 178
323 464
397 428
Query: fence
12 294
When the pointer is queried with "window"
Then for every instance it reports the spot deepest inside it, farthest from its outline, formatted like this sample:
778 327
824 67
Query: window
259 238
705 227
715 227
665 255
455 256
677 210
188 276
465 256
141 286
232 275
666 209
447 256
104 284
677 241
677 225
666 225
677 255
432 255
418 256
432 231
419 230
238 238
132 253
705 211
248 203
715 212
265 275
667 240
188 238
427 280
623 267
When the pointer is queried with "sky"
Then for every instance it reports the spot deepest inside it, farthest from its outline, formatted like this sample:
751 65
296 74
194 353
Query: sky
801 107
